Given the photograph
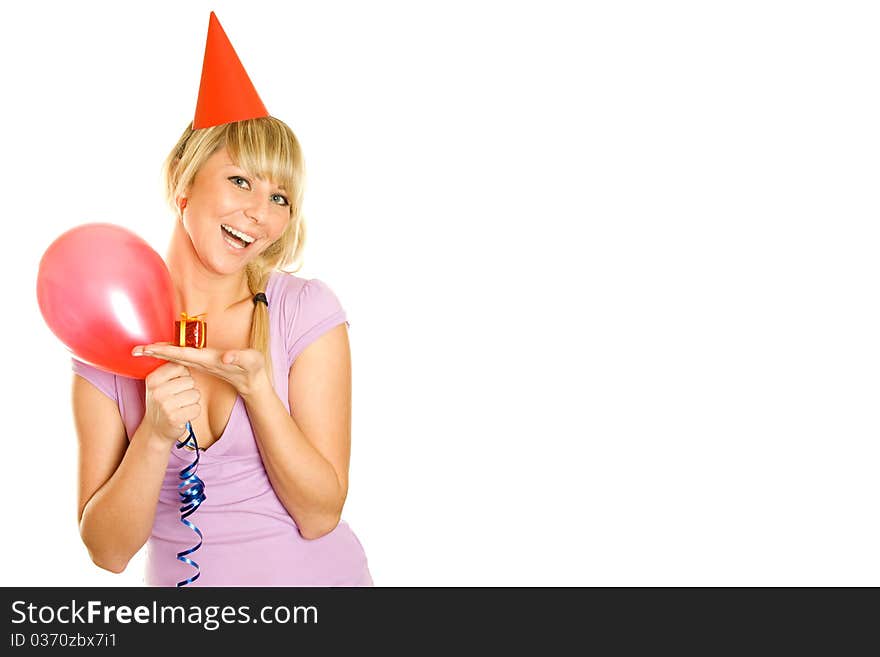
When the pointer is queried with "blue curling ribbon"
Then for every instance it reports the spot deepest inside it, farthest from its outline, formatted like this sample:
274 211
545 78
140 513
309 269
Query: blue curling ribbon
192 494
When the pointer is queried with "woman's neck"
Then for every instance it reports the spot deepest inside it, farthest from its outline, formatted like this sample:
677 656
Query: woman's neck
196 289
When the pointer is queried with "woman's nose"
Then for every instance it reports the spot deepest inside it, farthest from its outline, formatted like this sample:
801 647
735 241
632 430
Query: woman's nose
258 209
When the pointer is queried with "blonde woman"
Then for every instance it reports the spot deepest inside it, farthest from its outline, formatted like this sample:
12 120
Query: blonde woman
269 399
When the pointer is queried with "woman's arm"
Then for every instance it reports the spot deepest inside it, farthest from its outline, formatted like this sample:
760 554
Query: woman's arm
119 482
306 452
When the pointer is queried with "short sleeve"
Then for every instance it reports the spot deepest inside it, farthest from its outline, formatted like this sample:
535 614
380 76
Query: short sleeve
317 311
103 381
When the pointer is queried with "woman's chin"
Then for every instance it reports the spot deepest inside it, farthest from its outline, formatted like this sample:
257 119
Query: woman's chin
224 265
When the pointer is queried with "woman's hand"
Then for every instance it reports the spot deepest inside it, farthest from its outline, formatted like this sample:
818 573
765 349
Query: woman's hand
245 369
172 400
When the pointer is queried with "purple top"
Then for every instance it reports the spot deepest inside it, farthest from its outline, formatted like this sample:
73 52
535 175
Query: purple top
249 538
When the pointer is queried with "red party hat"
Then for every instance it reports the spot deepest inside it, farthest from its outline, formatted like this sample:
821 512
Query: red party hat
226 93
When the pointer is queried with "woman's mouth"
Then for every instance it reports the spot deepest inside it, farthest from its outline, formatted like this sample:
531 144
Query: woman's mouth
235 238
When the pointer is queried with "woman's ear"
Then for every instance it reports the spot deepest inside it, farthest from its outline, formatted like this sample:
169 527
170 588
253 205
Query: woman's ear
181 202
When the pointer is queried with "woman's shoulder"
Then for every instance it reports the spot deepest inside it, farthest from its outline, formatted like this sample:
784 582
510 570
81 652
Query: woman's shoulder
283 284
305 308
104 381
115 386
291 291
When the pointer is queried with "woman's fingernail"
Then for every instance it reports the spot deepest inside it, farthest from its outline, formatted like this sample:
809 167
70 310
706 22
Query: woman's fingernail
137 351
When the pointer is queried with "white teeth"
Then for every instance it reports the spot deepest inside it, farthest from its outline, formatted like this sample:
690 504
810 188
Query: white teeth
230 242
244 236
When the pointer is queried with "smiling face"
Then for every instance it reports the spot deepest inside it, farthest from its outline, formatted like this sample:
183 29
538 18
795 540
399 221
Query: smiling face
231 215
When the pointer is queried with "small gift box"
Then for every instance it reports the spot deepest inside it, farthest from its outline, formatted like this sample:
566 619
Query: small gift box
191 331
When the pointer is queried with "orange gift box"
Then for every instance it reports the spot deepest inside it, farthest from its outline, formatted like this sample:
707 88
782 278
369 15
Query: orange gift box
191 331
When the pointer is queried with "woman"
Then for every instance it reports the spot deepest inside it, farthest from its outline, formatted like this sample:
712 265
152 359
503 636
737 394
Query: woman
269 399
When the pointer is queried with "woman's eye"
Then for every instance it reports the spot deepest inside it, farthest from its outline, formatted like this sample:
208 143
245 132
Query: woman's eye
238 181
280 200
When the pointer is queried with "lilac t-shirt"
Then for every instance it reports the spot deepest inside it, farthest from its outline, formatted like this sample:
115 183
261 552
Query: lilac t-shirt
249 538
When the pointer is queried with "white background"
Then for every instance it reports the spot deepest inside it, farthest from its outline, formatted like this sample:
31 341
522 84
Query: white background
610 270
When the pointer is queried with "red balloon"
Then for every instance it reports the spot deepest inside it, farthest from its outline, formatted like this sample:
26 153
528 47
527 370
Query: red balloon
102 290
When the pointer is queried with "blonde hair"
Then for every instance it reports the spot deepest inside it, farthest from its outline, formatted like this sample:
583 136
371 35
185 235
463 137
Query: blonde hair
268 149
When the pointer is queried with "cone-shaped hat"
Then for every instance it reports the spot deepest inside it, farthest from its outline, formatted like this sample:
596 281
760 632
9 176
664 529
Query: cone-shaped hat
226 93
